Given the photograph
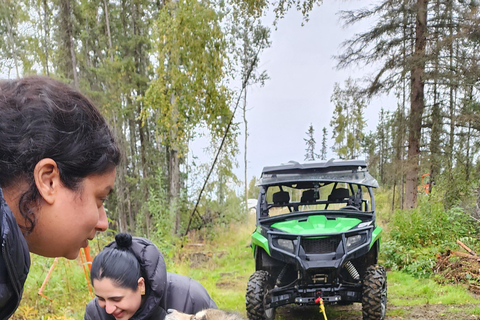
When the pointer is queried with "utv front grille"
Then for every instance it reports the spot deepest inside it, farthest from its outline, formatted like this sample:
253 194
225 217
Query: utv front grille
318 246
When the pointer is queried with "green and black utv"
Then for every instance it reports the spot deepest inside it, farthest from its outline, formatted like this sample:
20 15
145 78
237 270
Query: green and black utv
316 238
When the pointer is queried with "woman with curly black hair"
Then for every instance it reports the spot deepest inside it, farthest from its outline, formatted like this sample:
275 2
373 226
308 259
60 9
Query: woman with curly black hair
57 166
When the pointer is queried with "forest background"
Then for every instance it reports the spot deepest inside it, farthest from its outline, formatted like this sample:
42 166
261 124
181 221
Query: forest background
165 73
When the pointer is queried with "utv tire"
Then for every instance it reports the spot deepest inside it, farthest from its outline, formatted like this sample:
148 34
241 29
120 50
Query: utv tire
258 286
374 298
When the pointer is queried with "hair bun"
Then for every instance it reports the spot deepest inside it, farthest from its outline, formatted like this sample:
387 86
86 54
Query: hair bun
123 240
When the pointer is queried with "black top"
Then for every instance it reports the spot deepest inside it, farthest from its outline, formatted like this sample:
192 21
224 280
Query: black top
14 261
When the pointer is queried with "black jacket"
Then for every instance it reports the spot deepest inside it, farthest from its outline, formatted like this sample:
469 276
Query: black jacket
14 261
164 290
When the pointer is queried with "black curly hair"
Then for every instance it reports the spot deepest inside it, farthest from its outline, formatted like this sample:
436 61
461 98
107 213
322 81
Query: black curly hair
44 118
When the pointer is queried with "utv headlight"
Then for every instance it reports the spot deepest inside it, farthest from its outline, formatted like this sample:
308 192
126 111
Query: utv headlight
285 244
355 241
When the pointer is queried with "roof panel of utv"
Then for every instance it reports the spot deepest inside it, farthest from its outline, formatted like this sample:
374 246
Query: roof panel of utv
349 171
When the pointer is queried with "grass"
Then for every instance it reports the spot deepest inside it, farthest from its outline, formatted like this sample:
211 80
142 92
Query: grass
223 266
404 289
66 291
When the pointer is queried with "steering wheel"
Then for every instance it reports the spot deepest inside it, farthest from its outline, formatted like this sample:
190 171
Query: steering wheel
351 208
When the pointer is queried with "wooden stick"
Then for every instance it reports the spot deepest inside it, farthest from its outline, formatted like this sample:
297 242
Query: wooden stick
465 255
466 248
40 291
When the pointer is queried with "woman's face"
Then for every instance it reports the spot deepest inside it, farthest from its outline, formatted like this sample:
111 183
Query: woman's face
67 219
122 303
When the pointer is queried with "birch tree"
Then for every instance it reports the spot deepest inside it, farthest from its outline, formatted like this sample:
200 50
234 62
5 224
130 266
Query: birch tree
187 91
347 121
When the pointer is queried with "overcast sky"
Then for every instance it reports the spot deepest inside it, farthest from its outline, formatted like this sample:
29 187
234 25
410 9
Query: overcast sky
302 76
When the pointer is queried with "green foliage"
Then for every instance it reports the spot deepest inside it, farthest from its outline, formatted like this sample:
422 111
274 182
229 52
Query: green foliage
456 190
190 51
347 121
417 235
215 213
252 188
162 217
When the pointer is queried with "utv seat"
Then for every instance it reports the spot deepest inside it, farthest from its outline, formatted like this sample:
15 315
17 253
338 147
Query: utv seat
281 197
338 195
308 196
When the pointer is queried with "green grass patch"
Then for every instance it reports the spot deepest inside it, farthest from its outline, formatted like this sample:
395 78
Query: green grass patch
222 264
476 311
404 289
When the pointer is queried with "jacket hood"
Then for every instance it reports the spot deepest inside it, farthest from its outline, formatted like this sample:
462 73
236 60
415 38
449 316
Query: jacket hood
154 271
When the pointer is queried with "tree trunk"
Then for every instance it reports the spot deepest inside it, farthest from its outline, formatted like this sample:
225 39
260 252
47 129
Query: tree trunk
68 39
121 197
11 39
145 170
245 150
417 106
435 153
174 168
107 22
393 194
46 27
174 187
477 211
436 124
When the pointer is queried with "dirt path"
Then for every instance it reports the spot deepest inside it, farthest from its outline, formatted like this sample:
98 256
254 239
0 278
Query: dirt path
354 312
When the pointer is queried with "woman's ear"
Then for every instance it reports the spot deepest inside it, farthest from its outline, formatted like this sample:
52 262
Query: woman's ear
47 179
141 285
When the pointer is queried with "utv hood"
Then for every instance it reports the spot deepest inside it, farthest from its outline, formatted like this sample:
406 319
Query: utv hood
316 225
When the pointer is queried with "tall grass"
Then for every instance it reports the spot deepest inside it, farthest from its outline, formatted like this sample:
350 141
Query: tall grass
222 264
67 291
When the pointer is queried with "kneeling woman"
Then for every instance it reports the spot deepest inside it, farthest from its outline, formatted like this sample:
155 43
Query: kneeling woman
130 281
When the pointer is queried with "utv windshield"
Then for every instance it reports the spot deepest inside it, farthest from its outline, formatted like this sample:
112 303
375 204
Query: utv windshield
312 186
315 196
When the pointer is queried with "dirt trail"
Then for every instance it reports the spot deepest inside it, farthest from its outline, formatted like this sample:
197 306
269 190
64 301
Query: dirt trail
354 312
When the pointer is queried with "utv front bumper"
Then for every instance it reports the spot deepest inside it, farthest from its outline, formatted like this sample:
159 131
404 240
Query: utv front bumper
320 261
281 296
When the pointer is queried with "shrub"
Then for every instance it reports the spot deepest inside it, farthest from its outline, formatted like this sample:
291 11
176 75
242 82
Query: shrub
417 235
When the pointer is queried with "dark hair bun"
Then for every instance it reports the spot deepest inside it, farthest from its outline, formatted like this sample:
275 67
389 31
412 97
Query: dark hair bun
123 240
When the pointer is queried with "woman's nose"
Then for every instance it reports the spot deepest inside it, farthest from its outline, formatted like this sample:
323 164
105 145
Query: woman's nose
110 307
102 223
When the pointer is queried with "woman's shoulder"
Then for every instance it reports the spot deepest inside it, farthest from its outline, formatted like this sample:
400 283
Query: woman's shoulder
186 294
